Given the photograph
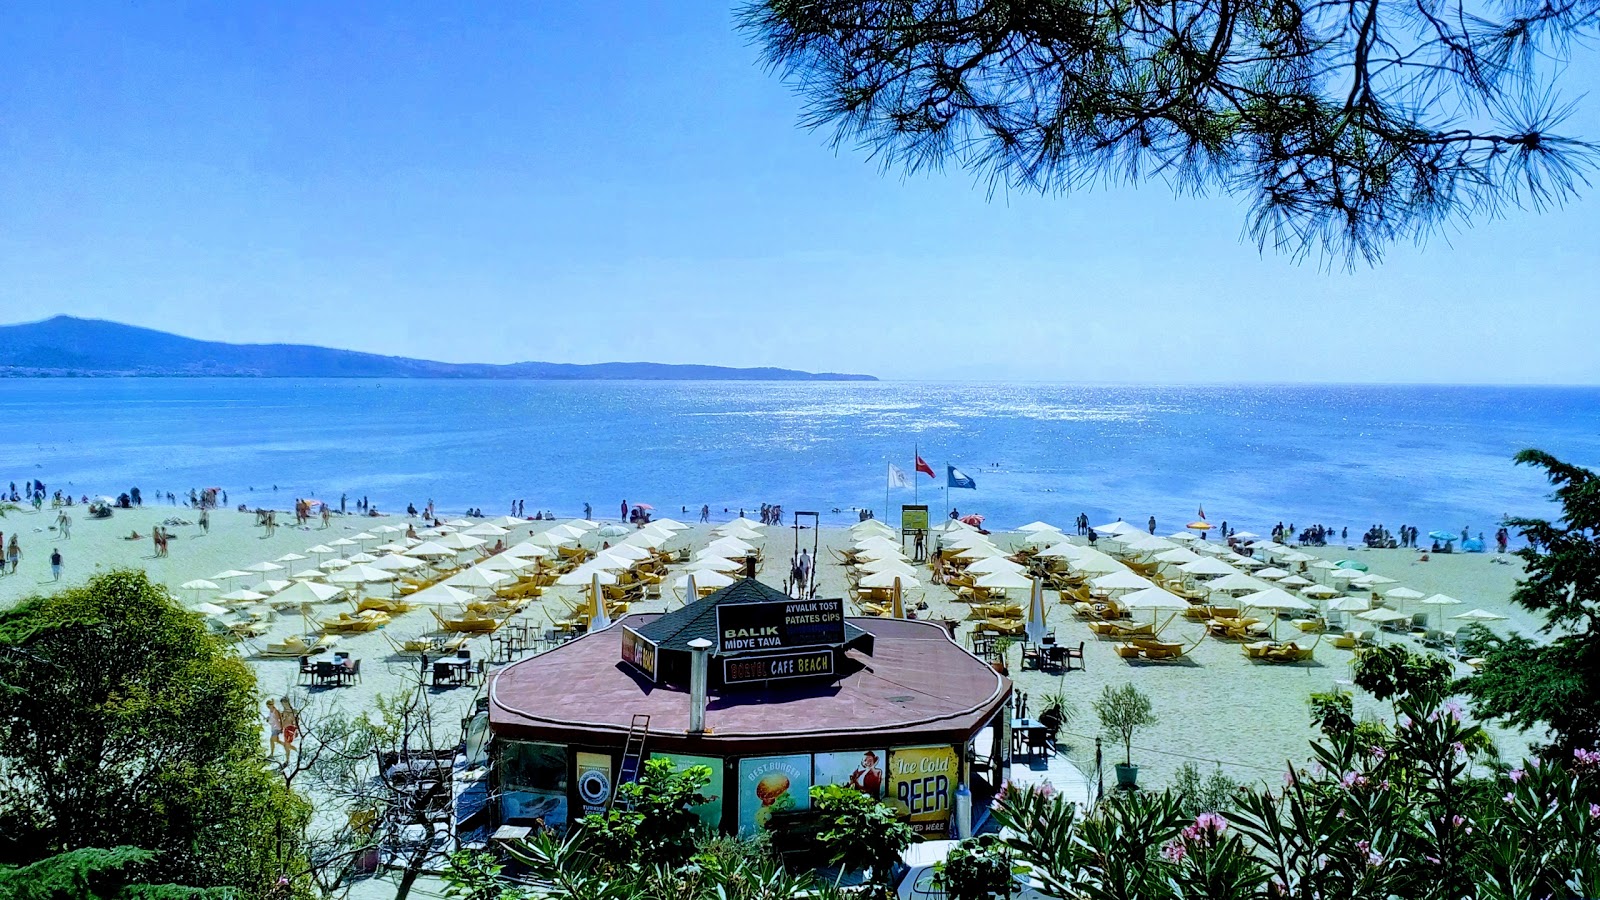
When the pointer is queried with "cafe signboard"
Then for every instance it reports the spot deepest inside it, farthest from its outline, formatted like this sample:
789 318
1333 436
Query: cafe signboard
779 625
777 666
639 652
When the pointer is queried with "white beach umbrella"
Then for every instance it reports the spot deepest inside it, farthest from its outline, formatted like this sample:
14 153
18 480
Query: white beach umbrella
342 542
1035 628
1349 604
993 564
487 529
584 574
335 564
1208 567
1178 556
702 578
361 573
229 574
478 577
527 550
200 584
553 539
647 539
307 592
362 557
671 524
1324 565
242 596
1295 581
976 551
1043 538
752 523
1319 591
270 586
737 531
364 536
1152 598
1124 580
395 562
390 548
1238 581
627 552
1272 573
264 567
888 565
1063 550
1004 580
1402 594
1117 527
1211 549
389 529
1032 527
887 580
443 595
500 562
589 524
1246 562
210 609
731 545
966 539
1371 580
1439 600
714 563
1183 536
1275 599
613 530
1295 556
1095 564
572 529
601 619
951 525
321 550
1383 616
460 541
1147 544
609 561
1479 615
870 527
1244 535
877 540
289 557
461 523
430 550
508 522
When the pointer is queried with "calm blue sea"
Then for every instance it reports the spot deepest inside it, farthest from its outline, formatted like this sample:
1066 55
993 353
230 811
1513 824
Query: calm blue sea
1438 457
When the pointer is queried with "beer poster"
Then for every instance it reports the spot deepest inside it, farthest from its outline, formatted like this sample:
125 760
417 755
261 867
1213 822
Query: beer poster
922 784
771 784
859 769
594 781
709 812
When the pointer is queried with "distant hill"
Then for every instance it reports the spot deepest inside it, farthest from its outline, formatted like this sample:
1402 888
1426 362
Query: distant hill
69 346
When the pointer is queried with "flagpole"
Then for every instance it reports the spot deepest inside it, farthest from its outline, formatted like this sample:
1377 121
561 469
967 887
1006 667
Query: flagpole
916 486
886 482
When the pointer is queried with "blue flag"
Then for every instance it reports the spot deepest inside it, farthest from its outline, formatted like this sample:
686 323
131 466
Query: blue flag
957 479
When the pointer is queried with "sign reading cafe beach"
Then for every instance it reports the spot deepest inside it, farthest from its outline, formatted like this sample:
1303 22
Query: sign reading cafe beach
779 625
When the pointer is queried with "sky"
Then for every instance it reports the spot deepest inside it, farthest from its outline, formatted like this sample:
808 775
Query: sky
624 181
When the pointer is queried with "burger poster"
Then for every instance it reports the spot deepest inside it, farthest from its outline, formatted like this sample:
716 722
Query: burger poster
859 769
710 812
922 784
771 784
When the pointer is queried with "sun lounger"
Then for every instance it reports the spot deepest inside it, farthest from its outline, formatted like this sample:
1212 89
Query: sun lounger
385 605
295 646
355 623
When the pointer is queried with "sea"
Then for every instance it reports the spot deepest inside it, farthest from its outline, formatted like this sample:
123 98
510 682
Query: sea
1344 456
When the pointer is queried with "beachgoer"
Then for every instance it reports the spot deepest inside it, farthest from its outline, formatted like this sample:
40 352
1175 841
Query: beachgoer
327 516
705 512
1152 524
13 554
624 511
205 520
64 525
274 728
805 570
291 726
588 511
55 564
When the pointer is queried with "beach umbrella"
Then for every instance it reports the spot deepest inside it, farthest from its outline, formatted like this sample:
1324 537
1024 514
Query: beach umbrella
877 540
646 539
1295 581
1096 564
270 586
1147 543
878 554
1277 600
443 595
1238 581
887 579
342 542
229 574
1320 591
1153 598
265 567
628 552
362 557
1479 615
976 551
1117 527
1043 538
394 562
584 573
738 531
1349 604
508 522
553 539
1403 594
731 545
600 619
210 609
200 584
1246 562
993 564
1124 580
1208 567
364 536
870 526
289 557
307 592
390 548
527 550
589 524
1032 527
703 578
1211 548
1370 580
888 565
1244 535
1346 575
242 596
1004 580
690 589
335 564
607 560
613 530
950 525
321 550
500 562
461 523
1063 550
572 530
897 603
430 550
1324 565
477 577
972 519
1035 628
1201 525
1439 600
1184 536
361 573
460 541
1383 616
486 530
1272 573
1351 564
714 564
1296 556
1446 536
670 524
389 529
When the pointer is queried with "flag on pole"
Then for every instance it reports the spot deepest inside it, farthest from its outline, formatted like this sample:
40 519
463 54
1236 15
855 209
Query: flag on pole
923 467
955 478
897 477
1202 513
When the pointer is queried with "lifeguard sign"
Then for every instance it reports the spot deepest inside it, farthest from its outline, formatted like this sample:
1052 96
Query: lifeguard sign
913 518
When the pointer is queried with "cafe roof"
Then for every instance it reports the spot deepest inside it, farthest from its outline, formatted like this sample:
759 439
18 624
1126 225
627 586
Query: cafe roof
919 686
674 630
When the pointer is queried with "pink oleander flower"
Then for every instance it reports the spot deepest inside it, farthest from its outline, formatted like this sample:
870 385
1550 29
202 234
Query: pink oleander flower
1404 723
1586 757
1288 778
1458 747
1457 821
1454 709
1383 785
1374 859
1379 754
1594 810
1510 798
1353 780
1516 776
1174 851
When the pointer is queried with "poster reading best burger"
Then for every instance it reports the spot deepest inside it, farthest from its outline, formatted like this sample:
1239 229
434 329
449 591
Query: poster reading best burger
922 783
771 784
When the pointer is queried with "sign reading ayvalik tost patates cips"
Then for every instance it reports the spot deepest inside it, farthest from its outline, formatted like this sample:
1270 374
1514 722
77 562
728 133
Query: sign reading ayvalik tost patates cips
779 625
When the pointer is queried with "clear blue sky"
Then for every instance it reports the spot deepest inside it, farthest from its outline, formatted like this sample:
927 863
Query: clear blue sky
622 181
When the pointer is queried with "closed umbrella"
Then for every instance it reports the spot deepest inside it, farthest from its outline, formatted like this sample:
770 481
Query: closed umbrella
1035 628
897 603
601 618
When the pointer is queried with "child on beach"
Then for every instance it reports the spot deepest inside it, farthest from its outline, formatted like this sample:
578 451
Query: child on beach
13 554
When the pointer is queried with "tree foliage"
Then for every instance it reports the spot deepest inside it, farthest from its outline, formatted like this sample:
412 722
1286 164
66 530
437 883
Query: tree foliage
858 832
1348 124
1123 711
653 821
124 722
95 874
1554 683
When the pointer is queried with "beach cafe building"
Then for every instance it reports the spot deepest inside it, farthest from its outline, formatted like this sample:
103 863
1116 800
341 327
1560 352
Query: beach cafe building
774 694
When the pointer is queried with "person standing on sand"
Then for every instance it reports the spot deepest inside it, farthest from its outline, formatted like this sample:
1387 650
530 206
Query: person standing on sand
327 516
588 511
1152 524
55 564
705 512
624 510
64 525
205 521
342 498
13 554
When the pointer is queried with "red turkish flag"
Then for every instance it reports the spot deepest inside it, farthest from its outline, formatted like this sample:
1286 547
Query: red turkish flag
922 466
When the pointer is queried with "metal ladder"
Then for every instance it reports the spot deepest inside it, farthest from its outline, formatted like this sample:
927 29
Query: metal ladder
633 752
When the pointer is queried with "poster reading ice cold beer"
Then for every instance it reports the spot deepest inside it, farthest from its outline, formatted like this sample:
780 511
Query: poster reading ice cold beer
922 781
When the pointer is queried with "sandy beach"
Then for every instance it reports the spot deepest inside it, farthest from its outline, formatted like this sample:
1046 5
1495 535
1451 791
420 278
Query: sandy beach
1216 708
